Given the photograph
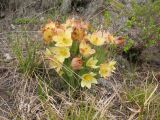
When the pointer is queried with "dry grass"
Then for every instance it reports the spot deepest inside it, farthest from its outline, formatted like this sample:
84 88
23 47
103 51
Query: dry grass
128 95
131 94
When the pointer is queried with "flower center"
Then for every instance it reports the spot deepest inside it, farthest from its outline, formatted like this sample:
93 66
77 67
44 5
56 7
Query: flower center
87 77
63 53
65 40
95 40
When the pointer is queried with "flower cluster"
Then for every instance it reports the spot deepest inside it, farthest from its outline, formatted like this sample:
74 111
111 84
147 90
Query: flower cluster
72 45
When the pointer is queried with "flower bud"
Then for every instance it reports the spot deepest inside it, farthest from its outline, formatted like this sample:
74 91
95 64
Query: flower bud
76 63
119 41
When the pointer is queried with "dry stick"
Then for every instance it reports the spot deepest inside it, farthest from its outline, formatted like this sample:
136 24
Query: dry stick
154 77
4 111
40 14
69 70
134 114
57 111
28 23
63 78
106 103
51 98
47 73
146 101
18 31
4 76
7 106
54 107
3 118
96 15
64 68
46 11
115 89
20 9
57 93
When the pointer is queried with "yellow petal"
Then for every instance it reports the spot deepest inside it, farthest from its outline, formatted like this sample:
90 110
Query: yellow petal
64 39
106 69
50 25
92 63
86 83
111 65
76 23
78 34
48 32
97 38
63 52
54 63
88 79
47 35
85 49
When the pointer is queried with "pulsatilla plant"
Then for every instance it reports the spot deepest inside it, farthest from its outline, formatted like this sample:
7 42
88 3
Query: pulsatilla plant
77 54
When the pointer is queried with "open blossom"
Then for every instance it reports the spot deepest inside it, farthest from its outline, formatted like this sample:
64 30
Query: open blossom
110 39
69 22
47 35
85 49
78 34
97 38
49 30
76 63
50 25
106 69
92 63
64 39
76 23
111 65
53 61
88 79
60 53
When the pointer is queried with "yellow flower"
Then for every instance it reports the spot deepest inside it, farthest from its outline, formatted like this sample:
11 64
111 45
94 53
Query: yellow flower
88 79
104 70
97 38
76 23
53 61
48 31
50 25
85 49
92 63
64 39
111 65
69 22
47 35
55 64
60 53
107 69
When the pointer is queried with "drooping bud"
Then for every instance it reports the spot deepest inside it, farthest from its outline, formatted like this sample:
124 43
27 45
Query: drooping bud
76 63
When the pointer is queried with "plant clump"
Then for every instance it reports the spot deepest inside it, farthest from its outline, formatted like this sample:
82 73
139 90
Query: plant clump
73 50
